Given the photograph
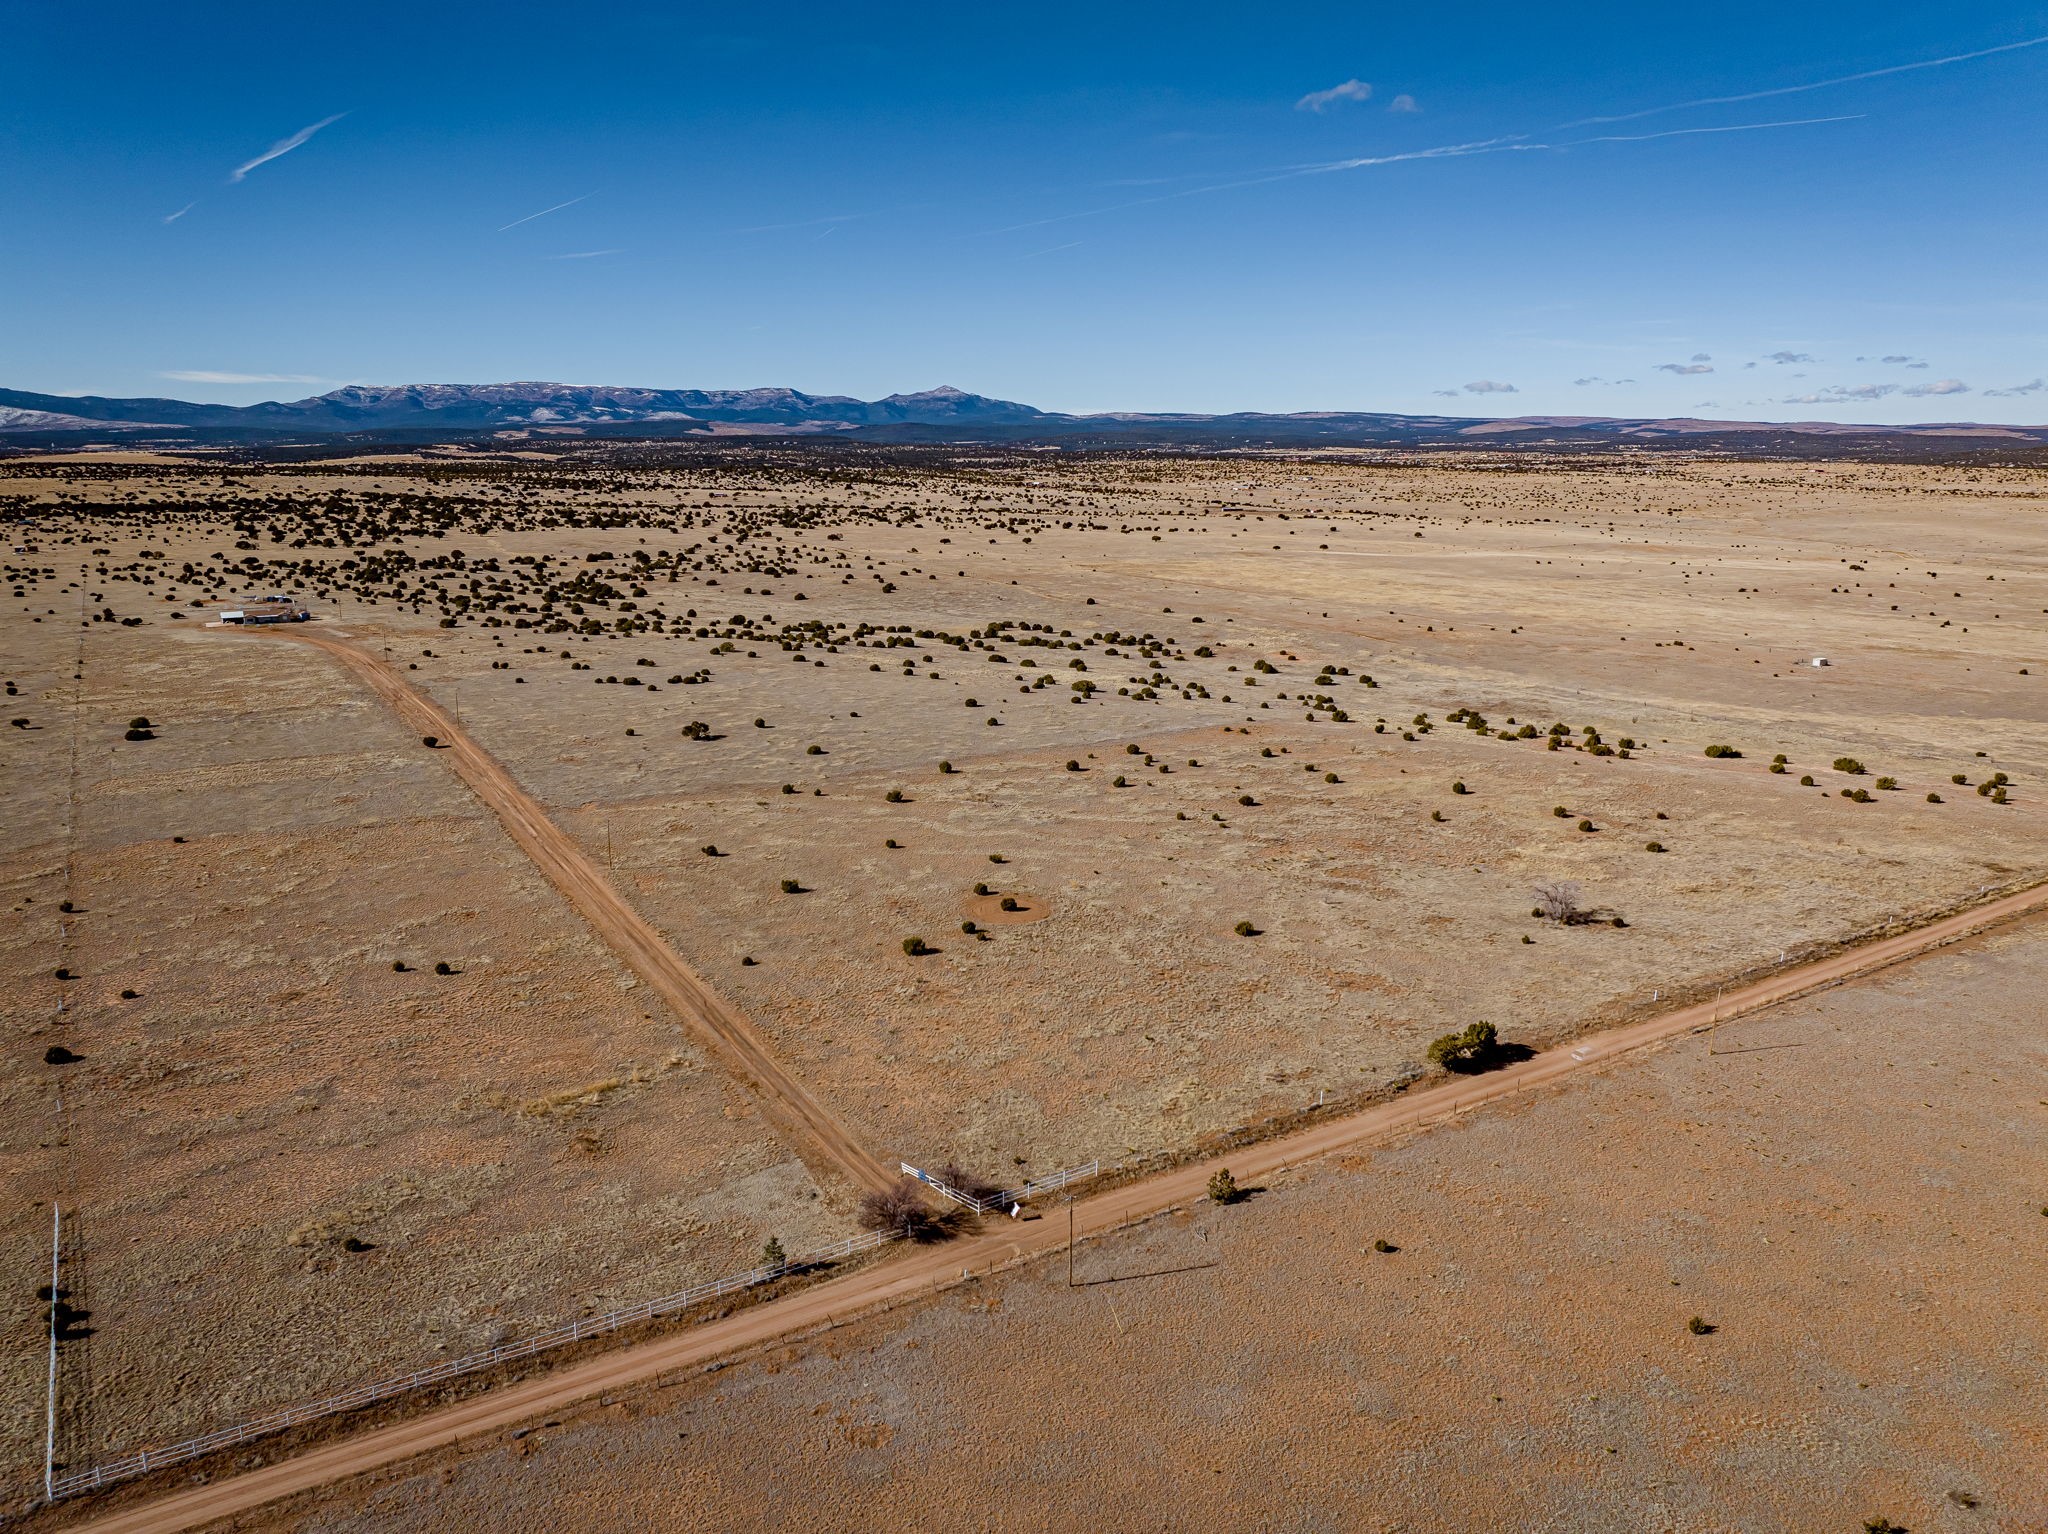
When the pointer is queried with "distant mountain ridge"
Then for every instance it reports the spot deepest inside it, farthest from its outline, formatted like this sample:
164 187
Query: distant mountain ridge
931 415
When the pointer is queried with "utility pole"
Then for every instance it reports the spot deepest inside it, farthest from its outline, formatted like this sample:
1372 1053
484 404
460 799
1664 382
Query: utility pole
608 846
1070 1242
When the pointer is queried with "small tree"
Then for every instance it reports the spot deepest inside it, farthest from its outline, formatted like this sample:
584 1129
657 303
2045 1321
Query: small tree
973 1184
1466 1051
772 1254
1559 900
916 947
899 1207
1223 1188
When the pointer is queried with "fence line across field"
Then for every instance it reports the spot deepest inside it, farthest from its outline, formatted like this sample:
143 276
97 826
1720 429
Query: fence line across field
145 1460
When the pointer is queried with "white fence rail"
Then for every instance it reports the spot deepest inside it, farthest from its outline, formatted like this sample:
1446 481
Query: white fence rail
1005 1199
146 1460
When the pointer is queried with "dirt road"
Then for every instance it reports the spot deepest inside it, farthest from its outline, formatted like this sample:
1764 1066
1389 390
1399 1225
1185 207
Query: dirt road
926 1270
805 1124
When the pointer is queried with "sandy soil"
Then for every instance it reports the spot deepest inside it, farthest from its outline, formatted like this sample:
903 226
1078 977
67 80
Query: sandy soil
535 1135
1847 1194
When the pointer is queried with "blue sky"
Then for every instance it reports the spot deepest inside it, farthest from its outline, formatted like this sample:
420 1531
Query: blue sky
1104 207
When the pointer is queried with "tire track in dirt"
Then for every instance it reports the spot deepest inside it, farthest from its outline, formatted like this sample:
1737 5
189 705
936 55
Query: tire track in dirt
927 1270
810 1129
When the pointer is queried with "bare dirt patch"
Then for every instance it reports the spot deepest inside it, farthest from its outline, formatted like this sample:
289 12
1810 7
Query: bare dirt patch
718 675
1767 1288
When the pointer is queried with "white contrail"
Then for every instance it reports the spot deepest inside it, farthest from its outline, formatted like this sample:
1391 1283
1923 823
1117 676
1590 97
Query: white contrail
285 146
172 218
585 255
544 212
1515 143
1637 138
1817 85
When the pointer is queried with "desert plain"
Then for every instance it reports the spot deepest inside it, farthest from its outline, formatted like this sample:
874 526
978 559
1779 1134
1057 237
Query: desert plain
1213 790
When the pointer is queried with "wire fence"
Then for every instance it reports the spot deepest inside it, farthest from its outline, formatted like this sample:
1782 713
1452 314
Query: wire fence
146 1460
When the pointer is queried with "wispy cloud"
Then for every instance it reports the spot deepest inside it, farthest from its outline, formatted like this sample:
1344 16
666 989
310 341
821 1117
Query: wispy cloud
1784 358
1489 386
544 212
1837 394
285 146
207 375
1322 101
1939 386
1816 85
1685 369
587 255
2018 389
172 218
1613 383
1403 103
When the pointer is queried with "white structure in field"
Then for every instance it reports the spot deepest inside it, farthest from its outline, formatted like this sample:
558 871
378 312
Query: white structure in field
1821 660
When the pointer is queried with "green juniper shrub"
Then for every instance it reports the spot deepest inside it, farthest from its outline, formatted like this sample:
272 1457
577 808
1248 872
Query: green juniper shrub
916 947
1245 929
1806 780
1934 798
1466 1051
1850 765
1223 1188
